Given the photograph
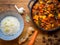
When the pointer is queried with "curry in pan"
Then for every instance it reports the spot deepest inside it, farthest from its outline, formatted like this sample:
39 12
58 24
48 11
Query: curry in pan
46 14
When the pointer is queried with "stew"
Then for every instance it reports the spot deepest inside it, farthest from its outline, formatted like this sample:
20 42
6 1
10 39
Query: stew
46 14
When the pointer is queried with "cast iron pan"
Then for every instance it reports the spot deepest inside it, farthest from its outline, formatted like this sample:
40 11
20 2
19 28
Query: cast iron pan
30 8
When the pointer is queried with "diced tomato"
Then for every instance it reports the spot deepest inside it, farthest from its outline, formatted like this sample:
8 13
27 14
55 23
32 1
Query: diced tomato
41 11
41 6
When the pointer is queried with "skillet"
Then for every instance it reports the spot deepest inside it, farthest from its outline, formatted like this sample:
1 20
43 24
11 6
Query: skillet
30 8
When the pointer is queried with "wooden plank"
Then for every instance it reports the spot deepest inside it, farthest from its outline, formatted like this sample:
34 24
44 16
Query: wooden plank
9 1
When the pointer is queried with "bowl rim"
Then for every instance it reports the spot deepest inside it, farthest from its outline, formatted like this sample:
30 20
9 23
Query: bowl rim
20 19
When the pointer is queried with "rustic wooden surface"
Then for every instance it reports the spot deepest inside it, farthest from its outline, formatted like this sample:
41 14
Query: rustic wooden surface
20 3
9 1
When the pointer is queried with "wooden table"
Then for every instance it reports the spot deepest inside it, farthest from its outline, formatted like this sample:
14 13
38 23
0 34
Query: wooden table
22 3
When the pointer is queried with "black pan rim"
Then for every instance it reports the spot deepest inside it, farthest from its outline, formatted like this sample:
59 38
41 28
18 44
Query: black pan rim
36 24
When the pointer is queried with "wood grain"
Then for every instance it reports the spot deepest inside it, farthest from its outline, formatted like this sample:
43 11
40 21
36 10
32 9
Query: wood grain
9 1
7 5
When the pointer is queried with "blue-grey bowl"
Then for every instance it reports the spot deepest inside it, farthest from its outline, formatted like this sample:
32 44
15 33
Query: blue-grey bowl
19 17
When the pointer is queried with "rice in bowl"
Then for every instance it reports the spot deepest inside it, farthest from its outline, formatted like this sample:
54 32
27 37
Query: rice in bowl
10 25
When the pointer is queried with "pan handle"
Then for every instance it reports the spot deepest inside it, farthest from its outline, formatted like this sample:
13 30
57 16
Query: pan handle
30 3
